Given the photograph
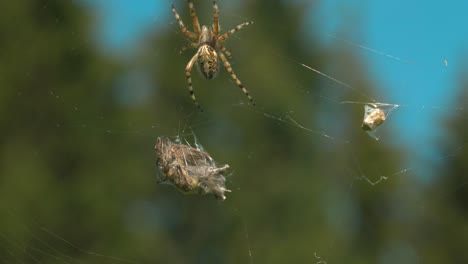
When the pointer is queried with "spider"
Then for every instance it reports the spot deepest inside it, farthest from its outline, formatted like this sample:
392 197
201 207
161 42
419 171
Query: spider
208 42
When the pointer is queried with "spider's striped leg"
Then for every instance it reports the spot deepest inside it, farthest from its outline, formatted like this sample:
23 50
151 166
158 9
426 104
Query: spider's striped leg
234 30
228 67
189 45
188 69
215 19
193 14
228 54
182 26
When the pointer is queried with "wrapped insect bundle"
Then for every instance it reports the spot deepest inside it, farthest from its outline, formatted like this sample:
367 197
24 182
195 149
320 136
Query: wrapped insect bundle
189 169
373 117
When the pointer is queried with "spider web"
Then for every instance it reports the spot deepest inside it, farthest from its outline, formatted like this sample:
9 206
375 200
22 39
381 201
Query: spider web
305 177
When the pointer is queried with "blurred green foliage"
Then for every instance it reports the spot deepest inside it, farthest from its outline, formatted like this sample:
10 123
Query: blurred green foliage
77 164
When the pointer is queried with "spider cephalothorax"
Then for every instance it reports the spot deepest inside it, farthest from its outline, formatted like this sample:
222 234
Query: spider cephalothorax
209 47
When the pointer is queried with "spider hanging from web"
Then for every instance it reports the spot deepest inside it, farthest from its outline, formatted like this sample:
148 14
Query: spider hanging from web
208 42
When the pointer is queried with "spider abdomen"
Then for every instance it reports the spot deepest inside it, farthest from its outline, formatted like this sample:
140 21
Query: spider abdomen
208 61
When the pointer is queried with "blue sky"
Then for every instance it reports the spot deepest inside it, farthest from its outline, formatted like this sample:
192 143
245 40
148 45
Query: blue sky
424 32
123 23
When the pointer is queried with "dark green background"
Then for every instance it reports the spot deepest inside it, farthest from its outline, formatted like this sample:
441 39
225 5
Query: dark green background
77 166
